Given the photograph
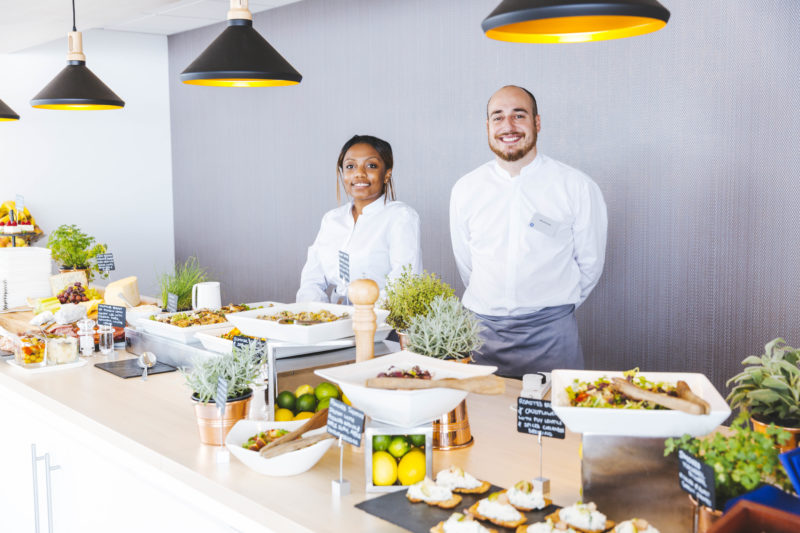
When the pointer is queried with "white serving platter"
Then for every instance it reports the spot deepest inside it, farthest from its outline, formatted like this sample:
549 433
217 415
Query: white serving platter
184 335
212 340
248 324
47 368
638 422
407 408
288 464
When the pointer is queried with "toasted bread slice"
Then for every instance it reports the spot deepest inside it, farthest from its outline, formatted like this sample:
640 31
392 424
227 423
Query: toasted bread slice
480 489
547 503
444 504
556 518
439 528
473 510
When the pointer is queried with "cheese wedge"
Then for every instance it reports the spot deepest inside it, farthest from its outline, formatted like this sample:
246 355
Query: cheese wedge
124 292
60 281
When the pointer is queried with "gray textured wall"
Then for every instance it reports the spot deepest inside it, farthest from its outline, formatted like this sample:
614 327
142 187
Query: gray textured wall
691 133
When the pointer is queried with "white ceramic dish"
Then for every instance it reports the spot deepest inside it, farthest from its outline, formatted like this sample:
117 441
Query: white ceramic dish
297 334
288 464
638 422
48 368
184 335
401 407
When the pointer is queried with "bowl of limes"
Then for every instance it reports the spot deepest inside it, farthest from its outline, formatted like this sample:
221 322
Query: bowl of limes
306 400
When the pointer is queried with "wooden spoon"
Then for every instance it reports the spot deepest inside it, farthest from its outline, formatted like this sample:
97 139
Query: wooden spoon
478 384
298 444
670 402
686 393
319 419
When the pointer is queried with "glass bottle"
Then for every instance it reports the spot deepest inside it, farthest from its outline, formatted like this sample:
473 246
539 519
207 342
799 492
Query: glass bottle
86 336
106 339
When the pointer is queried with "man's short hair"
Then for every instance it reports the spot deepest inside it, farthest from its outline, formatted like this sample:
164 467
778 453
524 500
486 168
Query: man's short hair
534 107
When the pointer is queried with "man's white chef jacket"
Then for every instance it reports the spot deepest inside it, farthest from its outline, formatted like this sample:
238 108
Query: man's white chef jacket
527 242
385 238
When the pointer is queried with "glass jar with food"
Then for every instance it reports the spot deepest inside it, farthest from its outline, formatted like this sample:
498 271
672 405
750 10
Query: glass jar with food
31 351
62 350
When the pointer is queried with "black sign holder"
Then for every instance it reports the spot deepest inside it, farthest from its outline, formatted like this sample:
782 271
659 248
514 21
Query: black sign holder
346 423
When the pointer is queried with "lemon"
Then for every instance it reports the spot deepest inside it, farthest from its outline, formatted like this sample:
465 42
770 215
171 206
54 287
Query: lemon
302 415
304 389
283 415
384 469
411 468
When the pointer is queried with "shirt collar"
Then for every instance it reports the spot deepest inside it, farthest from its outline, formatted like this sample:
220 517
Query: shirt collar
374 207
526 170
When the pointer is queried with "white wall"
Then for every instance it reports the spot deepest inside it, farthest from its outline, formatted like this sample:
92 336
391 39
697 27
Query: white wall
109 172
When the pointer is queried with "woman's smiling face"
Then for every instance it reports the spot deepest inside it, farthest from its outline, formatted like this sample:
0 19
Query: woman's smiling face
364 173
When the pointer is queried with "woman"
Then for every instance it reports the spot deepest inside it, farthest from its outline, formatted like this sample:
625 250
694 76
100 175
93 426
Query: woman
373 236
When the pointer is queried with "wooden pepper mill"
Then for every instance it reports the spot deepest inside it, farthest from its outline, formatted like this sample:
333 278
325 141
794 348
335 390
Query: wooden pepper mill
364 293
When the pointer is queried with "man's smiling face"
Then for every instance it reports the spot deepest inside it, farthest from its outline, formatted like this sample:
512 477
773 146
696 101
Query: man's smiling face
512 125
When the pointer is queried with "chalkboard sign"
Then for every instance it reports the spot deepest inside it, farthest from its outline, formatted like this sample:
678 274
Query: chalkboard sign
221 397
537 417
345 421
105 262
696 478
172 303
111 315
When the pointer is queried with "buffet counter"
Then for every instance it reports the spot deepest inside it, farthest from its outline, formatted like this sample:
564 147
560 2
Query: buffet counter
133 456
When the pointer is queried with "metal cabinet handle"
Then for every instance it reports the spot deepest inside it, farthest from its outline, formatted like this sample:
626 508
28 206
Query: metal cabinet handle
47 470
34 459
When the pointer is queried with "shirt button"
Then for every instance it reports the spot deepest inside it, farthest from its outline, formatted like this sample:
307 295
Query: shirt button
531 224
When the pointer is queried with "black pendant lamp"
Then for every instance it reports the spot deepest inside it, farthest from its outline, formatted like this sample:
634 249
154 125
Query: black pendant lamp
573 21
6 113
240 57
76 87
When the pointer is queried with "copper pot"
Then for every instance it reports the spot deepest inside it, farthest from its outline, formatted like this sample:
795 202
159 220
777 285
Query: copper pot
209 422
704 516
794 438
403 338
451 431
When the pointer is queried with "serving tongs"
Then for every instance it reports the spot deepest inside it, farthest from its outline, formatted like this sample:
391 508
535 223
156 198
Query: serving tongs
294 441
479 384
687 401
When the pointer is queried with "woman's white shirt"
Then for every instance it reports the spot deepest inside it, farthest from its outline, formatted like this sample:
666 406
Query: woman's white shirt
385 238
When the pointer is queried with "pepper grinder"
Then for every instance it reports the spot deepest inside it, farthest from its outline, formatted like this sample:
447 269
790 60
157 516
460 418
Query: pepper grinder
364 293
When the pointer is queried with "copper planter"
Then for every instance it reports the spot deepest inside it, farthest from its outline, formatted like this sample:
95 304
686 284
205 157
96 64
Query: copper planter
791 444
209 422
451 431
705 517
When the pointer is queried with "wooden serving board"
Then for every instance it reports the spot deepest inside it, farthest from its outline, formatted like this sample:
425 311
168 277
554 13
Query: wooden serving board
17 323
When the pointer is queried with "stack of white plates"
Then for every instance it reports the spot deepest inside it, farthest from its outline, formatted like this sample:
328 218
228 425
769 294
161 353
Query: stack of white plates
24 272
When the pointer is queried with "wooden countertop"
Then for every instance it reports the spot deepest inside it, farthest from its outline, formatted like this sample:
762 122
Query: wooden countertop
154 420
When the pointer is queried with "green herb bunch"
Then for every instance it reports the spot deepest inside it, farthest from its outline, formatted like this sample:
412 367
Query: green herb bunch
72 248
410 294
181 281
240 368
770 387
448 330
742 460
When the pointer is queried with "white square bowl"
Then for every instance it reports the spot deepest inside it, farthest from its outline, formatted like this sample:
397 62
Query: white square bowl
406 408
249 324
184 335
637 422
288 464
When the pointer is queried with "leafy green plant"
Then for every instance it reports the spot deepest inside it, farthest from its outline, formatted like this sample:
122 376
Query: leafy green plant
240 368
742 460
770 387
72 248
410 294
448 330
181 281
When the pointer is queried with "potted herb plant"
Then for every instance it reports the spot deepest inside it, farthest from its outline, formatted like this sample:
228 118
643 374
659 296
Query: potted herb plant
240 369
409 295
769 388
742 459
448 330
72 249
180 282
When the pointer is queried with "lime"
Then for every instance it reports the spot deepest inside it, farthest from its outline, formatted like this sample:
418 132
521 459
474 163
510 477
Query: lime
304 389
412 467
384 469
417 440
323 403
326 390
306 402
286 400
283 415
302 415
381 442
399 446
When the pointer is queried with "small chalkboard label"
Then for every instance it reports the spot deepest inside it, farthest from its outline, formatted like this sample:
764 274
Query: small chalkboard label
537 417
696 478
221 397
243 341
172 303
345 421
111 315
105 262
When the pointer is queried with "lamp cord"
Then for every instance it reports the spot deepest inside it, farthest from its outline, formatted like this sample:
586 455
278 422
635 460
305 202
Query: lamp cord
73 16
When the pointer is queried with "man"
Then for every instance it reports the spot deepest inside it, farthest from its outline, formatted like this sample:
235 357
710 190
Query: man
529 238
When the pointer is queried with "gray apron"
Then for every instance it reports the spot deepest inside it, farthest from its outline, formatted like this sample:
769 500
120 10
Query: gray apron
538 342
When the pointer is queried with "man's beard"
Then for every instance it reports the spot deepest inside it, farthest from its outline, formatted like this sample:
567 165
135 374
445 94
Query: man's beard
517 154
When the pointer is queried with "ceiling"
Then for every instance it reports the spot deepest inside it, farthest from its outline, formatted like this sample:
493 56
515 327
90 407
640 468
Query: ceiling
27 23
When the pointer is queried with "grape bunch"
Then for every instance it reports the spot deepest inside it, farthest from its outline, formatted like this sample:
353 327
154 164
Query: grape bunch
73 294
